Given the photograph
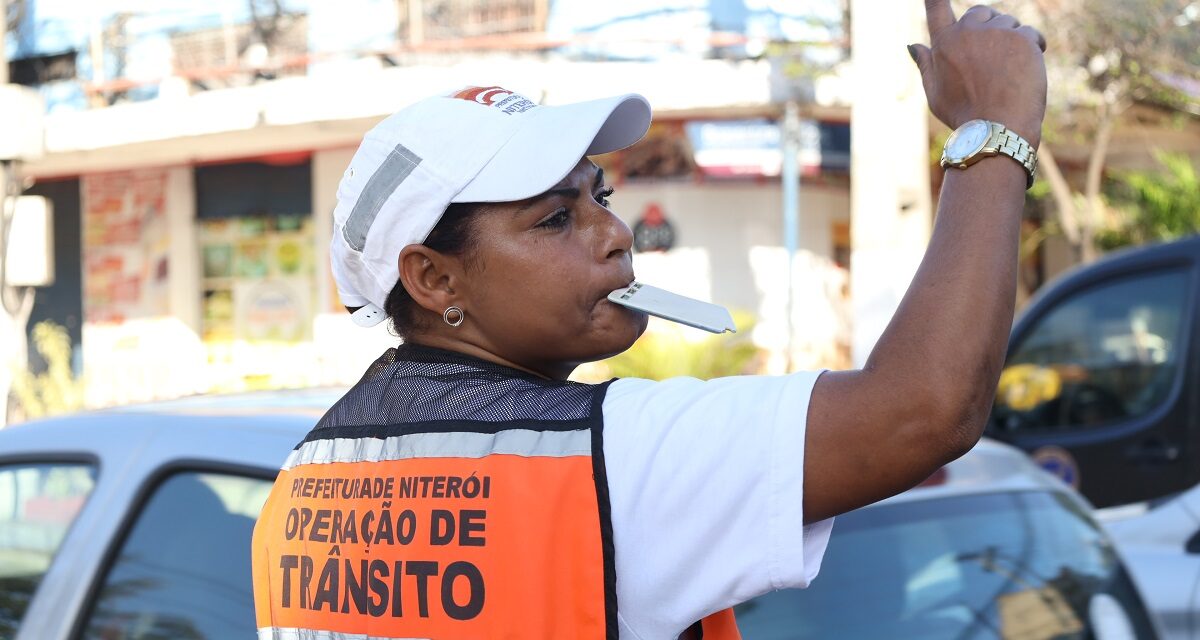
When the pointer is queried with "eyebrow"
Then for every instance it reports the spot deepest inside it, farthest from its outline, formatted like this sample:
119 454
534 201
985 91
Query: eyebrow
570 192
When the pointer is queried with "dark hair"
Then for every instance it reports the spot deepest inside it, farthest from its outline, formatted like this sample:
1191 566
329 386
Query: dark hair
452 235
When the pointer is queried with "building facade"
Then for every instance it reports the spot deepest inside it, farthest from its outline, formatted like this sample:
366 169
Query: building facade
203 217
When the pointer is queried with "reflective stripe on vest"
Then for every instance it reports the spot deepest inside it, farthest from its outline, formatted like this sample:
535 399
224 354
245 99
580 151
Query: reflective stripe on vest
453 528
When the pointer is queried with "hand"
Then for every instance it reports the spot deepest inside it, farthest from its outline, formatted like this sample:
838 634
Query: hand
983 65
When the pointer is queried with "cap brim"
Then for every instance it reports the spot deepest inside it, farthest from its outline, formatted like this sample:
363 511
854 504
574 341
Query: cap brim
543 152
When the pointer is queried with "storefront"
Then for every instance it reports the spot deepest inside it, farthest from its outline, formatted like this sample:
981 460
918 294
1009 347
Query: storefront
258 277
203 279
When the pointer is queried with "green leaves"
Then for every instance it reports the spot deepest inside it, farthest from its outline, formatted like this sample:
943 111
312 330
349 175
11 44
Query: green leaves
1158 205
56 390
687 352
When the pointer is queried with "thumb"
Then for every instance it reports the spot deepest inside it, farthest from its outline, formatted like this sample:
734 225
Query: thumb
922 56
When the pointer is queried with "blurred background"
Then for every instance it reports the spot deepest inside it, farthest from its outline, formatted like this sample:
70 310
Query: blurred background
171 169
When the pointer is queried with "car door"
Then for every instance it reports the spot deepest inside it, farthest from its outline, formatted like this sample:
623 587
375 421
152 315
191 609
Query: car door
1094 385
181 568
39 502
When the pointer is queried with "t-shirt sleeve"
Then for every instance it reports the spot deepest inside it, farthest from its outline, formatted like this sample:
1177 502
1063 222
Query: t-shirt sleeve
705 482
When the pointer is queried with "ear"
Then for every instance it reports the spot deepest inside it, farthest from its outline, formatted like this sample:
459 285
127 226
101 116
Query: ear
429 277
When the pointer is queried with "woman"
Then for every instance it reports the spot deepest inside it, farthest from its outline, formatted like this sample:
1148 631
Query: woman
465 489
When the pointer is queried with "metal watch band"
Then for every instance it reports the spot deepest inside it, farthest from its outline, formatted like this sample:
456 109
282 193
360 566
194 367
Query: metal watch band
1015 147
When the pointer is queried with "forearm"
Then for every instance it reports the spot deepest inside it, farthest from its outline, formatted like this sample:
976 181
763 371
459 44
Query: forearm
945 346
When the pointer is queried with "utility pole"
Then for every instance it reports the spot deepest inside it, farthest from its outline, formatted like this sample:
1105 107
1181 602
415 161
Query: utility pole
790 174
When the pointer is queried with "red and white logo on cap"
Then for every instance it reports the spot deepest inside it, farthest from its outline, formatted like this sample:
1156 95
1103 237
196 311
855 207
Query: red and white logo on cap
499 97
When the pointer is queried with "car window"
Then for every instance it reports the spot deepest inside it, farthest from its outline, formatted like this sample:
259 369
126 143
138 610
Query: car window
183 571
38 503
1109 353
1027 565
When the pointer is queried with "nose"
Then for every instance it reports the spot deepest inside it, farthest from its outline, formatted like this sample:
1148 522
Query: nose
617 237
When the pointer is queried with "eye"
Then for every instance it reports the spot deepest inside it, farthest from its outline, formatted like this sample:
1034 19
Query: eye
604 195
560 218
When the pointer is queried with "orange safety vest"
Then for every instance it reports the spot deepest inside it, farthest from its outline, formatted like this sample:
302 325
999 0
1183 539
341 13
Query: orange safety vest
445 497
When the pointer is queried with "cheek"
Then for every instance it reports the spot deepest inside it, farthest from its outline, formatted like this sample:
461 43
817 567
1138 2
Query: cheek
542 271
534 287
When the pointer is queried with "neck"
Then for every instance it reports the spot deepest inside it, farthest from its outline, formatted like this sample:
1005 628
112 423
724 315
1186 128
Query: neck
549 371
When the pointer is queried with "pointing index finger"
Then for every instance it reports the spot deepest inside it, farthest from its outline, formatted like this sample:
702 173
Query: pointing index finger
939 15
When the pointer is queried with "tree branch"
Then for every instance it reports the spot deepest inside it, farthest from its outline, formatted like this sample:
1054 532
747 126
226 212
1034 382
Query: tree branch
1064 200
1110 110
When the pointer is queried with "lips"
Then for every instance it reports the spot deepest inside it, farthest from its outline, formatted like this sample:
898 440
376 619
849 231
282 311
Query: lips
617 284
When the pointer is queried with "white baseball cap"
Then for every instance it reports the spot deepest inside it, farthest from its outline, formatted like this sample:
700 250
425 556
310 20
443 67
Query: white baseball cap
481 144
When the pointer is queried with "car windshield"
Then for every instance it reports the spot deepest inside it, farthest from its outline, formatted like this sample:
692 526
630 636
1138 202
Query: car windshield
1024 565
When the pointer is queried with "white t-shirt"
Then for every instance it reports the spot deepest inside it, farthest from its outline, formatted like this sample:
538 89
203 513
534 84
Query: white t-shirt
705 479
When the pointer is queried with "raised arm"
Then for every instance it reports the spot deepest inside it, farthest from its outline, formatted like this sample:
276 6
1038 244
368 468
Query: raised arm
923 397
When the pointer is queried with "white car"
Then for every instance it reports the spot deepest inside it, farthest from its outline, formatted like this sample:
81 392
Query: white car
135 524
1162 548
990 547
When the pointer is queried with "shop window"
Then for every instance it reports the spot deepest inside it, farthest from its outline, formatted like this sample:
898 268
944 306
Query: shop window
242 189
258 275
258 272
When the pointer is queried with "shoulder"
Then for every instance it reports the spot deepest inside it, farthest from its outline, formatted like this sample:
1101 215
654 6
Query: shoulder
684 392
705 481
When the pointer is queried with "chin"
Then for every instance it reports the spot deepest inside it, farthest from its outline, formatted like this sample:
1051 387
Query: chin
618 339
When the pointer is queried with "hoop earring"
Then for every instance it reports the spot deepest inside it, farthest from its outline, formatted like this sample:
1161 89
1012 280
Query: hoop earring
456 313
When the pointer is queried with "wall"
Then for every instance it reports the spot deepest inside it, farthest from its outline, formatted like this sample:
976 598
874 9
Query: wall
728 250
141 287
727 219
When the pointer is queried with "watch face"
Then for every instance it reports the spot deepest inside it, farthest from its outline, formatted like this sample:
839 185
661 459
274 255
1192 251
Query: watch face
967 139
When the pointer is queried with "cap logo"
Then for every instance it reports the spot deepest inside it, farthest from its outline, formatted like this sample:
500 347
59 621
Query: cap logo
499 97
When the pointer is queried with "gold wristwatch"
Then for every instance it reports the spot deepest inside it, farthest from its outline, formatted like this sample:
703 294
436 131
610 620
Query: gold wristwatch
979 139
